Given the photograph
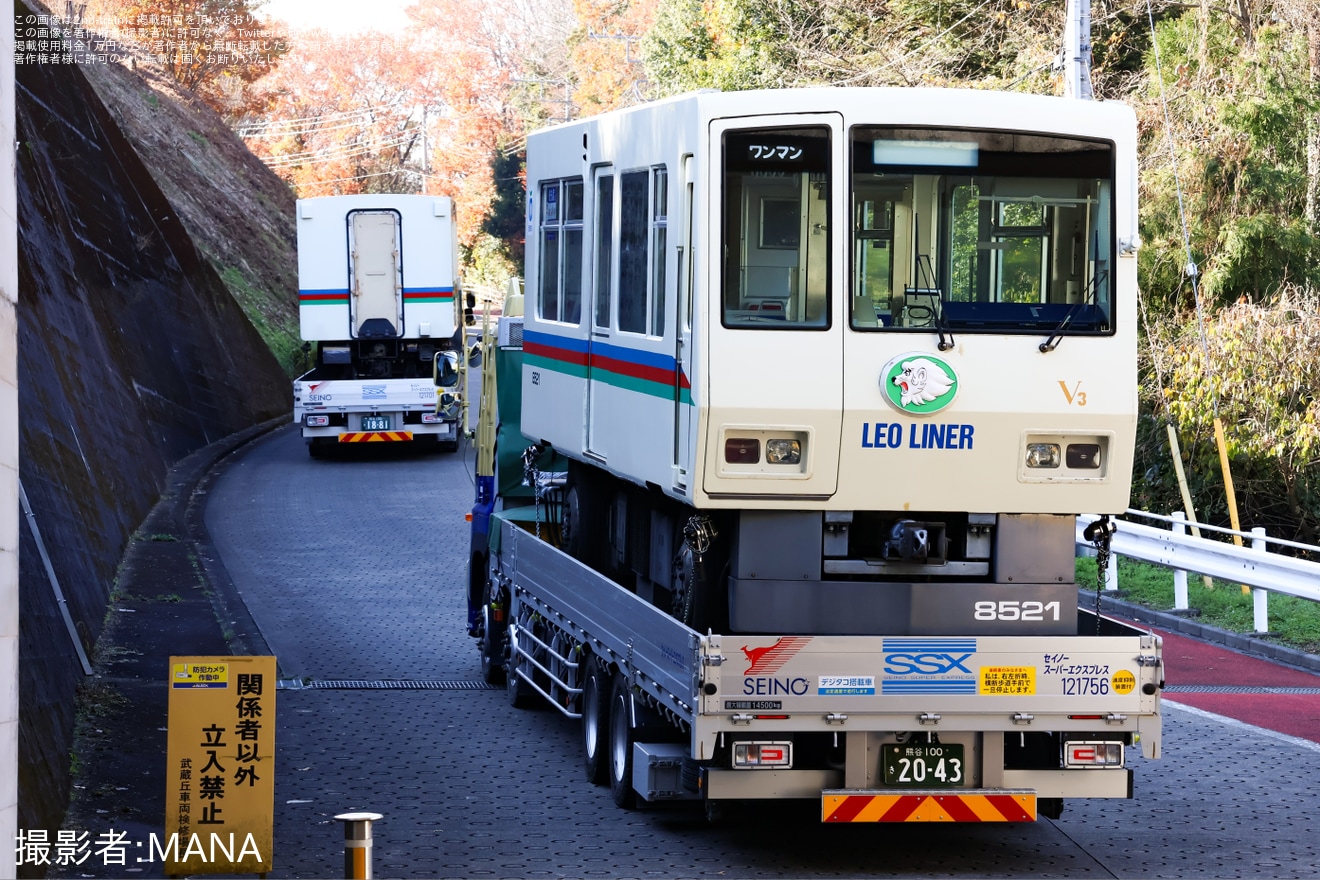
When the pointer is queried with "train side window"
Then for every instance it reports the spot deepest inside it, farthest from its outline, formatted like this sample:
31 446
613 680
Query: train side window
604 247
634 256
776 228
659 230
559 284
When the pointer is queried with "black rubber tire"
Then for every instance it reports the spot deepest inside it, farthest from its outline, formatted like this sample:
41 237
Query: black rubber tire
596 695
620 757
492 648
578 523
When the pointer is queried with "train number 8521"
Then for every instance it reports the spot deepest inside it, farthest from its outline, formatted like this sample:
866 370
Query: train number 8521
1012 609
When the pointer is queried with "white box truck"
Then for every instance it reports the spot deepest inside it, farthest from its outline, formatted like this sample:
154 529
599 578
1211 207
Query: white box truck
377 297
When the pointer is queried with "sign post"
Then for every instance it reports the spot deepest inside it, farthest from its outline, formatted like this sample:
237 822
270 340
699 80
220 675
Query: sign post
220 766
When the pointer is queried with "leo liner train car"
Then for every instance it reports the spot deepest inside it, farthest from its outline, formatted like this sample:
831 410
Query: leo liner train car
832 372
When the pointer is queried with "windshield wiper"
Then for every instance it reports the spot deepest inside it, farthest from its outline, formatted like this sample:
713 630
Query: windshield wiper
926 277
1052 341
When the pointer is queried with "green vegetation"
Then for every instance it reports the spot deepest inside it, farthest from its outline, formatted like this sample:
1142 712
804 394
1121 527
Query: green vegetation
1293 621
263 310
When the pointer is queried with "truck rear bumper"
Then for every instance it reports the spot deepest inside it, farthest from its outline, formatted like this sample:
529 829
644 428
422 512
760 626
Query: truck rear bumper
934 805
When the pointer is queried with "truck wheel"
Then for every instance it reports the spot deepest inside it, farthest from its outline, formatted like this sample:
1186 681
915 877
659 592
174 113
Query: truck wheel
492 671
316 447
595 721
621 746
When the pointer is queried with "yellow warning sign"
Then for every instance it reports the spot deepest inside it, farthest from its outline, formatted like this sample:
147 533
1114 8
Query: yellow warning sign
220 766
1123 682
1011 681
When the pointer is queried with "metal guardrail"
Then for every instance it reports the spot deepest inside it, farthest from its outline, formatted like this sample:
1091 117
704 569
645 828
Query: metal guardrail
1253 565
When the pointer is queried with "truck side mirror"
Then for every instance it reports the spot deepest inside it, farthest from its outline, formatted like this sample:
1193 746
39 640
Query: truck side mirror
446 369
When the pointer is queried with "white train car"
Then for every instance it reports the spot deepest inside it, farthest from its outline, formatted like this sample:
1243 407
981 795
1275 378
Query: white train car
837 361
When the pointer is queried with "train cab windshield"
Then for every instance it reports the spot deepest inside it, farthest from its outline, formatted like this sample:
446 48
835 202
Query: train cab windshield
950 230
980 231
777 228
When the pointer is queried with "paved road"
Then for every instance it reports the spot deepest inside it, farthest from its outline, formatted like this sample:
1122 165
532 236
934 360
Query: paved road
354 570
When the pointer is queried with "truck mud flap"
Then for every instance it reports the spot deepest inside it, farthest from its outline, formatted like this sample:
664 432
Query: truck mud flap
934 805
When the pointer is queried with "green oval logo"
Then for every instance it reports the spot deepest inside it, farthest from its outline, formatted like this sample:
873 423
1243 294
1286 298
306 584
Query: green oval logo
918 384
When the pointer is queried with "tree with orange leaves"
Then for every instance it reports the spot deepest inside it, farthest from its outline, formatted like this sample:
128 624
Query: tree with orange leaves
606 53
216 48
344 114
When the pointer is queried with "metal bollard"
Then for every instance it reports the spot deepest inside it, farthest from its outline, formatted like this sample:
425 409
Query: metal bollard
357 844
1260 598
1179 576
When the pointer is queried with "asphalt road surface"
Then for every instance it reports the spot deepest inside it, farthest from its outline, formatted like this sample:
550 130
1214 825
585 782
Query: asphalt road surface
354 568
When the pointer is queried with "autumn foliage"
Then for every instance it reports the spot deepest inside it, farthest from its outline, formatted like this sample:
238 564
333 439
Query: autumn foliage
216 48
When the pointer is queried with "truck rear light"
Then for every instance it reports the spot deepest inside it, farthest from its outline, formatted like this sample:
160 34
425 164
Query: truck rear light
742 450
430 418
317 421
750 755
1093 754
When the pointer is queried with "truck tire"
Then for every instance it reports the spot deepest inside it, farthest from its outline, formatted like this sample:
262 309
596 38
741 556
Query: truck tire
621 738
595 721
491 647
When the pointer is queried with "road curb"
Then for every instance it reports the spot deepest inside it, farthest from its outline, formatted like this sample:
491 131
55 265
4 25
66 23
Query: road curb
244 636
1259 646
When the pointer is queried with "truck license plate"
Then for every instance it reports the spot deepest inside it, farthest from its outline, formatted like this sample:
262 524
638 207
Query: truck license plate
923 765
375 423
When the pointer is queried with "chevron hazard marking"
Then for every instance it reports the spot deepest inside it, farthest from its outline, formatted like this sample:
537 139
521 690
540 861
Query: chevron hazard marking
375 436
929 806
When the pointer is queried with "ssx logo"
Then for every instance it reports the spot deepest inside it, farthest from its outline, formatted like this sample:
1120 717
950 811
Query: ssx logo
926 664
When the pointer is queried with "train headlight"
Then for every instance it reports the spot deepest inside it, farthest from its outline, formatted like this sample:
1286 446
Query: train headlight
783 451
1042 455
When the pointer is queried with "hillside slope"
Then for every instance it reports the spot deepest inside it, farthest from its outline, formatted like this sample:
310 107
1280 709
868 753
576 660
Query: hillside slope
237 211
132 354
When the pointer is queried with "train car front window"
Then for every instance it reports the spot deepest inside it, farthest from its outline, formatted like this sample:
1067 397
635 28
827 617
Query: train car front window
980 231
776 228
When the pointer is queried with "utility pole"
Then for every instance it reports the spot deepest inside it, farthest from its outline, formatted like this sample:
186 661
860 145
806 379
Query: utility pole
1077 51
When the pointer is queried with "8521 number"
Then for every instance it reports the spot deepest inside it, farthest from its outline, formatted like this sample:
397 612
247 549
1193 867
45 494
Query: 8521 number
1011 609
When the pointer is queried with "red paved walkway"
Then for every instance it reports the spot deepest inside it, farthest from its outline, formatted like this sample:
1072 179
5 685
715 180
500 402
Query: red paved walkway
1191 663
